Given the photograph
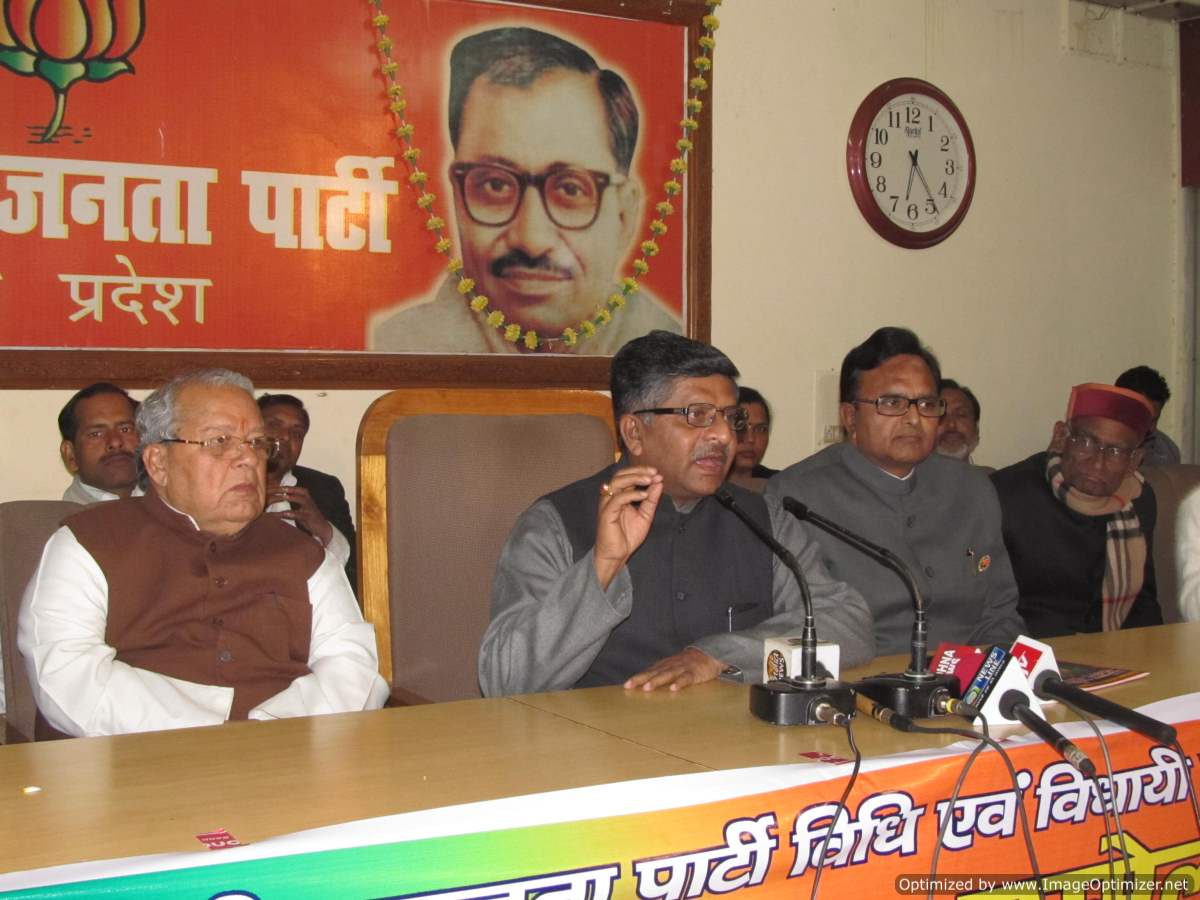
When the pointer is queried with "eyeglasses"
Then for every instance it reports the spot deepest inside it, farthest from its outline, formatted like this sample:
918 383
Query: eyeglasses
226 446
895 405
702 415
1086 446
493 194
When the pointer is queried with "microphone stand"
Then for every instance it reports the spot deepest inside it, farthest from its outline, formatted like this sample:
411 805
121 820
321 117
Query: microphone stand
808 699
917 692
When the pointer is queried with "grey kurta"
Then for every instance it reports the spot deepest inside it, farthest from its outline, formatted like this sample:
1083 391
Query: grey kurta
943 521
550 617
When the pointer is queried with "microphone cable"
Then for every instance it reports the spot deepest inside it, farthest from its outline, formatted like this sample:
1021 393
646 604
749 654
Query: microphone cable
1112 802
845 722
984 741
1190 782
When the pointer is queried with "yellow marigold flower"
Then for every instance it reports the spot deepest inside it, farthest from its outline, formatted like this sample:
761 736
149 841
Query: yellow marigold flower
650 248
435 223
405 131
385 44
479 303
603 316
495 318
694 104
588 327
531 340
672 187
395 90
678 166
664 208
629 285
442 246
512 333
412 154
454 266
418 178
689 124
702 63
684 145
616 301
426 200
466 285
698 84
380 20
710 23
570 337
707 42
399 107
641 266
390 67
658 226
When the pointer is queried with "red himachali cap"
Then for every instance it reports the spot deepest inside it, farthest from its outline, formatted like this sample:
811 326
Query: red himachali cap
1107 402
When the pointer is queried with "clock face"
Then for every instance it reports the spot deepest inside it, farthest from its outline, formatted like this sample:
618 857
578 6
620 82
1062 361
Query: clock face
911 163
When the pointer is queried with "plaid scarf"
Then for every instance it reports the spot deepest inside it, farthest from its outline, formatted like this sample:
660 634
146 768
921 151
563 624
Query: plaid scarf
1124 543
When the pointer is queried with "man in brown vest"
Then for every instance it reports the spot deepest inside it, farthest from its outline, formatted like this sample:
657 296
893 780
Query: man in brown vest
187 606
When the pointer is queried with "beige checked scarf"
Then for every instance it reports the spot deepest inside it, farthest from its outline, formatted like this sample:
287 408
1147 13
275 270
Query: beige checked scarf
1124 545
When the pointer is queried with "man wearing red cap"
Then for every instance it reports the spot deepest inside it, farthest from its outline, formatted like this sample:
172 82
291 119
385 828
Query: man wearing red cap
1078 519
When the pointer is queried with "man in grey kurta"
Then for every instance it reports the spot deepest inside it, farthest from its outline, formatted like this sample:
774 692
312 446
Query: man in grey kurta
636 575
939 515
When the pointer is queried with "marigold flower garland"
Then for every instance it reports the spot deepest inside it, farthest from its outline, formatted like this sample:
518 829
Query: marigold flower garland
436 225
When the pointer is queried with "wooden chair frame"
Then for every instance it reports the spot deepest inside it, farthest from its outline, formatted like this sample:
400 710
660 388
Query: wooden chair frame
373 575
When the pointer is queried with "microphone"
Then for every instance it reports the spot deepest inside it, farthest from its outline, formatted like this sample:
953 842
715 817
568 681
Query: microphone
1013 705
917 692
1037 659
807 699
960 660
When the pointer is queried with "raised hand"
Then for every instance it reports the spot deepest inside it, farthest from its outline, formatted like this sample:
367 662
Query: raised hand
627 505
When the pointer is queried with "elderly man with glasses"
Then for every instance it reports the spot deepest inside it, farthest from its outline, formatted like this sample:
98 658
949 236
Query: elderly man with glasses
545 202
637 575
885 482
1079 519
187 606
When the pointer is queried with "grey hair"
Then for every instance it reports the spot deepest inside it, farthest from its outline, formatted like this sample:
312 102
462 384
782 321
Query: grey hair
156 417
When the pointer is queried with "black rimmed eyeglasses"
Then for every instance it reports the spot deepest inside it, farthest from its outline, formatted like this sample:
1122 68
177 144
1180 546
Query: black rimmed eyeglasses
702 415
492 194
896 405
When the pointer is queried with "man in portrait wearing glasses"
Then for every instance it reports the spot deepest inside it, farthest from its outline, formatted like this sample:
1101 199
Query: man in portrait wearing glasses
886 483
637 575
1079 519
545 201
187 606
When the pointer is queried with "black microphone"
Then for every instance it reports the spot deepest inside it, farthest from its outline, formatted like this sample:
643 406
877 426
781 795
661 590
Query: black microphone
1013 705
917 692
1049 686
808 699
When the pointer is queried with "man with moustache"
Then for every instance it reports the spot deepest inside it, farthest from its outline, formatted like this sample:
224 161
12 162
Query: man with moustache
312 501
637 575
958 431
1079 518
545 201
98 443
886 483
187 606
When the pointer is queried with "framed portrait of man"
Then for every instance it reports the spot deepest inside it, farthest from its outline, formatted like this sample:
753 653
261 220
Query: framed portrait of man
372 194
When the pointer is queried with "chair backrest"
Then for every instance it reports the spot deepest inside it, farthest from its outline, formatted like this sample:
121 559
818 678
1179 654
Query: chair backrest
25 526
443 475
1171 484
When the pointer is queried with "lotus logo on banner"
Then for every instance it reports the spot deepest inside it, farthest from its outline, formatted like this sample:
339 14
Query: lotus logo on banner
65 41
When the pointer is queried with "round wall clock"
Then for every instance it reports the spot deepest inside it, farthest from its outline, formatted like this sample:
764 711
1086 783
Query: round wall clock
910 162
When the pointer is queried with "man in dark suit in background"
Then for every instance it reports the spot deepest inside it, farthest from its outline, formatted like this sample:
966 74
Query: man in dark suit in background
313 501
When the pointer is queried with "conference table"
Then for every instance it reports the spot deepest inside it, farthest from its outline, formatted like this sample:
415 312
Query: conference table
100 798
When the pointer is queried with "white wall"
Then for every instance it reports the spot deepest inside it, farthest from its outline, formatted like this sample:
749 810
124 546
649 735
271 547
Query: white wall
1066 269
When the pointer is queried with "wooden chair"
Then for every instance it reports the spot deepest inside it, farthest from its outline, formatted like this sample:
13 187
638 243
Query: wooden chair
442 476
1171 484
25 526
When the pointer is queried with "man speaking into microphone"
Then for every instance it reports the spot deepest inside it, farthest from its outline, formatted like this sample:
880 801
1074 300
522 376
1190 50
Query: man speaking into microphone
940 516
637 575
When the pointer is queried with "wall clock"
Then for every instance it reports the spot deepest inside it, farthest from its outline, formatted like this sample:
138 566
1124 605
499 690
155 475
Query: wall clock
911 163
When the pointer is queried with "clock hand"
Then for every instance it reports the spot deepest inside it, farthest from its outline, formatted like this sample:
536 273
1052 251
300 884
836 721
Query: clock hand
921 175
908 190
